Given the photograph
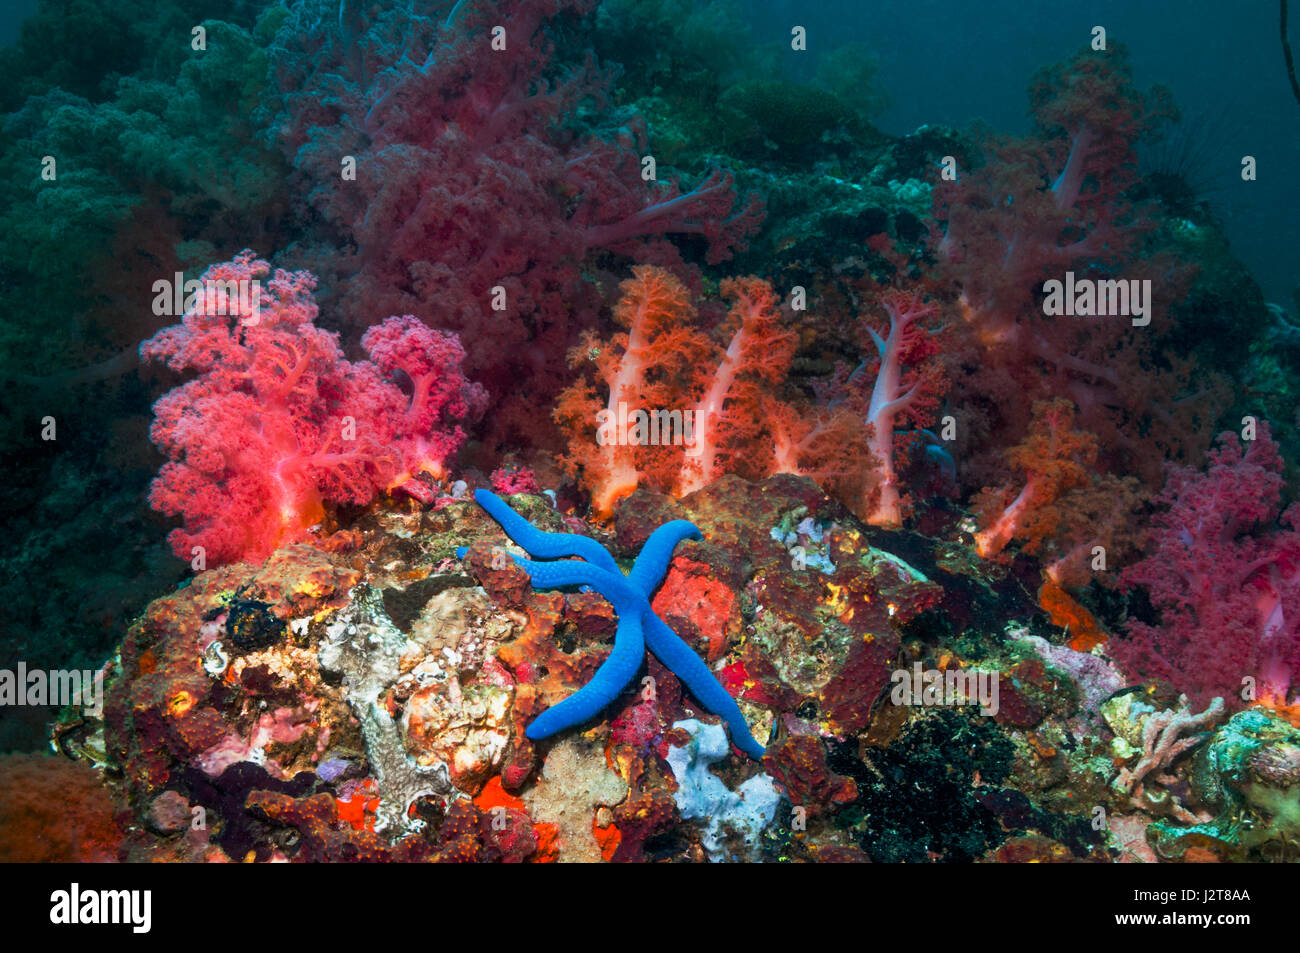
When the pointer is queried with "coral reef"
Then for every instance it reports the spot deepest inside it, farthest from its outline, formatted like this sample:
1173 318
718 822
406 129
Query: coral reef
614 395
1247 772
638 625
1159 746
364 697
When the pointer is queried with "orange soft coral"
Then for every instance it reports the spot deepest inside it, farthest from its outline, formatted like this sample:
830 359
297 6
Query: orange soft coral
828 444
1098 524
1055 459
681 408
755 362
657 312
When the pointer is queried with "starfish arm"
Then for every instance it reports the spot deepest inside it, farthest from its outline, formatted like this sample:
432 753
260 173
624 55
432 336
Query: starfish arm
541 544
690 668
574 572
610 679
652 562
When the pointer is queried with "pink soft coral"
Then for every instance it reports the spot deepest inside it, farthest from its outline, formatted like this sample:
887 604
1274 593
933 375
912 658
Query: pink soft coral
430 362
277 423
1225 578
906 387
509 480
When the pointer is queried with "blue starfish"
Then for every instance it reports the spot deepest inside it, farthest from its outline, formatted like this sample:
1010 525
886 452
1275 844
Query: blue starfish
638 626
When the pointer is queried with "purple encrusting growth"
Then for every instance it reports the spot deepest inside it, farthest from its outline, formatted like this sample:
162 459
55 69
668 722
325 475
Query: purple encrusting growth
1095 677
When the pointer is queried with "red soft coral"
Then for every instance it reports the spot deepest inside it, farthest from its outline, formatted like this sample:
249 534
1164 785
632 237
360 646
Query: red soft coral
507 481
277 423
1224 577
1005 229
1034 209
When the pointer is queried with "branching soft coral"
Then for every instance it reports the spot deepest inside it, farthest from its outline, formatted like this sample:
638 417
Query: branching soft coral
907 385
276 423
440 395
729 410
725 388
472 174
1036 208
656 309
1079 523
1054 458
1005 229
827 441
1225 578
1106 513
